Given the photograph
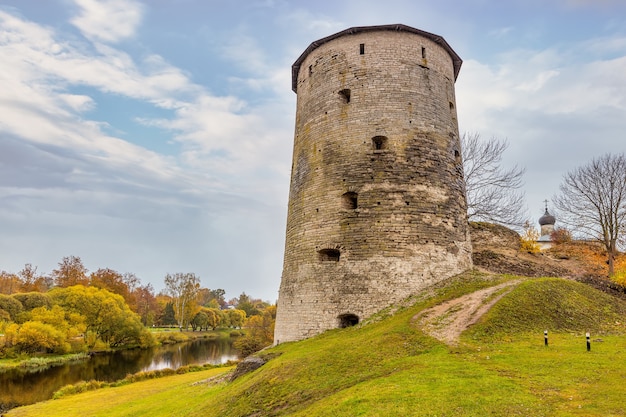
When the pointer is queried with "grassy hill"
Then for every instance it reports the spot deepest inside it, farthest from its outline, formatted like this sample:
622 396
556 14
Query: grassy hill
388 366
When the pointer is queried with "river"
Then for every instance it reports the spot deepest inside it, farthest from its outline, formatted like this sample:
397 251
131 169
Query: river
28 386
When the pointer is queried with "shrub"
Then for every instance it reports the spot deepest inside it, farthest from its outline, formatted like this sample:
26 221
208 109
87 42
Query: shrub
31 300
182 370
528 241
11 306
82 386
166 338
34 336
248 345
4 316
559 236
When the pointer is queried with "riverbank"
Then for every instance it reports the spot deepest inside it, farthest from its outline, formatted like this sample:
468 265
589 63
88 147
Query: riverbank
23 386
40 361
161 396
391 366
167 335
162 336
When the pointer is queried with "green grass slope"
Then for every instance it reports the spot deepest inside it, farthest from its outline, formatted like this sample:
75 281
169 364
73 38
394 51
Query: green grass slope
552 304
389 367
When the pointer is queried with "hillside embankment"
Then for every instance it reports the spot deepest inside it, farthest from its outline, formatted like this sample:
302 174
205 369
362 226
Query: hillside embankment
472 345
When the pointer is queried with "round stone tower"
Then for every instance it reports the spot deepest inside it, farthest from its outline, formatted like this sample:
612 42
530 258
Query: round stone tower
377 206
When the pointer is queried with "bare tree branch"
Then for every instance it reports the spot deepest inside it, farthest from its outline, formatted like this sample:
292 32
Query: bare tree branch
592 201
492 192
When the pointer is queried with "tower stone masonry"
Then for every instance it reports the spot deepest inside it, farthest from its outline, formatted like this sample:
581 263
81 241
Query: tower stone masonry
377 207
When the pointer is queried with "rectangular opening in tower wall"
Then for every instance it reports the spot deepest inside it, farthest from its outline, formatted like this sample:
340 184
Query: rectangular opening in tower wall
362 49
326 255
345 94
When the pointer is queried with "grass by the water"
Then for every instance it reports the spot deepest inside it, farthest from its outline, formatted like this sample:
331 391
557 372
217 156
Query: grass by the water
389 367
36 362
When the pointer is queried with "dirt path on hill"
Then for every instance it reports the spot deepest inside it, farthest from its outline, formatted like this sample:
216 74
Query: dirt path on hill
446 321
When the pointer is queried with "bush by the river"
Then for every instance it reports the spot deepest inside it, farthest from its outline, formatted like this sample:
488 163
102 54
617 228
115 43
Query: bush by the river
68 320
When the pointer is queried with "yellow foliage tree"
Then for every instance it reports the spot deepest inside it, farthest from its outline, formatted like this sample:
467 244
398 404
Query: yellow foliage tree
529 239
35 336
259 332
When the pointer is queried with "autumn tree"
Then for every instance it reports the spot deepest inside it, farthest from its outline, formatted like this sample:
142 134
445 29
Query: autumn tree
204 296
69 324
32 281
107 316
199 321
183 288
146 304
592 201
218 295
492 191
113 281
31 300
236 318
528 239
252 306
35 336
215 317
11 306
259 332
9 283
71 272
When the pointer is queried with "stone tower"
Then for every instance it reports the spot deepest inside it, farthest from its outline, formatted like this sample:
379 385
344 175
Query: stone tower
377 206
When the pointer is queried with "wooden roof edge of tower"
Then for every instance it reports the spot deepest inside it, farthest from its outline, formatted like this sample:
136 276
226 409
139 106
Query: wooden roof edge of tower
295 68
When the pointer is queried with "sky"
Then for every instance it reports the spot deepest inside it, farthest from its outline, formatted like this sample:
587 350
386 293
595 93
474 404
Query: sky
155 137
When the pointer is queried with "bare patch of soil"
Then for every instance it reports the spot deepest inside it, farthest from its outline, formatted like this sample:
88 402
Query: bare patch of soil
448 320
514 262
496 250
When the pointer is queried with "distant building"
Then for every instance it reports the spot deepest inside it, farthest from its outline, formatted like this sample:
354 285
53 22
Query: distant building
546 222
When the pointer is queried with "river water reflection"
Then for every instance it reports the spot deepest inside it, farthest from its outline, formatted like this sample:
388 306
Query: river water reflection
23 386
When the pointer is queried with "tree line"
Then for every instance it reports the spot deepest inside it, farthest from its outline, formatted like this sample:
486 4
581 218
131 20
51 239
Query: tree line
71 310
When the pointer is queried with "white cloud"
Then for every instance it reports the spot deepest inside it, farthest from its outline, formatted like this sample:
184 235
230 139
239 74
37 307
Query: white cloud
557 109
538 81
605 45
38 107
78 102
225 143
108 20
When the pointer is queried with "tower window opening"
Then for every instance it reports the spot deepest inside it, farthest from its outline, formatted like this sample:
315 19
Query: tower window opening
348 320
423 52
457 156
310 69
349 200
379 142
362 49
345 94
331 255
